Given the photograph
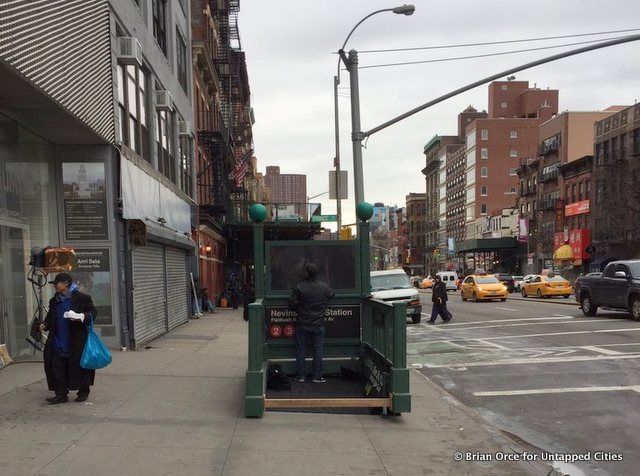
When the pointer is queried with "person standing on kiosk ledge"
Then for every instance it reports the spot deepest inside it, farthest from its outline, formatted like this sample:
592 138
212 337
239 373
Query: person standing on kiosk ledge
309 299
439 299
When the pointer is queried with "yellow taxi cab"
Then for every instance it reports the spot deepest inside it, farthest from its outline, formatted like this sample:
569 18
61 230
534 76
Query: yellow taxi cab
547 286
427 283
482 287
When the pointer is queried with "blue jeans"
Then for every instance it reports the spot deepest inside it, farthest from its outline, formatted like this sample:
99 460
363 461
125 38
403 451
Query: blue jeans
302 337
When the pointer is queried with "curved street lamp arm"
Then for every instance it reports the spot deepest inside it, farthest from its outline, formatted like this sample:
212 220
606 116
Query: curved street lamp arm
354 29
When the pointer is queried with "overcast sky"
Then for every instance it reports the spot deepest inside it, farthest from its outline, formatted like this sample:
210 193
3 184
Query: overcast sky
289 43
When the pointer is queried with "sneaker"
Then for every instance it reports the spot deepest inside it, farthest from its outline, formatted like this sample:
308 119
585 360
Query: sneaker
431 322
319 380
300 379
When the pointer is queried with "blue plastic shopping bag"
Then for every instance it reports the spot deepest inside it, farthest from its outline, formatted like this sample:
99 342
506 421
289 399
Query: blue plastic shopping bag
95 354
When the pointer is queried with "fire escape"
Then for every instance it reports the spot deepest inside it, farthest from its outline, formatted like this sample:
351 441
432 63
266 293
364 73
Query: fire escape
217 201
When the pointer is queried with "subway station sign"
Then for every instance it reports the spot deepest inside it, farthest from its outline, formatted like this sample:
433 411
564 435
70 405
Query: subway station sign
340 321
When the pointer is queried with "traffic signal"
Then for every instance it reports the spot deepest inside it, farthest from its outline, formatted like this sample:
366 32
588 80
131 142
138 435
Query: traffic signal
345 233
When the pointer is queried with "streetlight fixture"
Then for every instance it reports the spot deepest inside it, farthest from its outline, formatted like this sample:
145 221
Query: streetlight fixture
357 157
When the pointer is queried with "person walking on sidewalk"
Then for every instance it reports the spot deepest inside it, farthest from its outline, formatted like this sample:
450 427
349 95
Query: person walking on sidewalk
439 299
309 299
70 312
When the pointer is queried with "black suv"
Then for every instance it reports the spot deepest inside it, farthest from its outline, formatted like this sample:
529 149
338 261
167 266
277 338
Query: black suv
507 280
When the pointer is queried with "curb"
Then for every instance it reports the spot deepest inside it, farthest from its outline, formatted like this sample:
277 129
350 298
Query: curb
501 436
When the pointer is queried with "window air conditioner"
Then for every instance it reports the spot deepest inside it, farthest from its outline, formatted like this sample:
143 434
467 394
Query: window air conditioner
164 101
129 50
184 128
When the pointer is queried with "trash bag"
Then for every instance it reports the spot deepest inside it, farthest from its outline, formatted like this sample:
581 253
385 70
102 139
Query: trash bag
95 354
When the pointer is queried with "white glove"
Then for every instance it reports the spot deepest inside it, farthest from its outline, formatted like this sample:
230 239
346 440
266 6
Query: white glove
75 316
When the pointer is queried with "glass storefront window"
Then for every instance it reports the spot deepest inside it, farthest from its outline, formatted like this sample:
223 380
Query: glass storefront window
28 217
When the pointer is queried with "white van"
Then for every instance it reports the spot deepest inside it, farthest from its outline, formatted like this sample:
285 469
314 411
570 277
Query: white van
450 278
393 285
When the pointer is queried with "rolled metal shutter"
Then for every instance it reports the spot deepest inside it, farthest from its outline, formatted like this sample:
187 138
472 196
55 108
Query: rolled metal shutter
177 289
149 303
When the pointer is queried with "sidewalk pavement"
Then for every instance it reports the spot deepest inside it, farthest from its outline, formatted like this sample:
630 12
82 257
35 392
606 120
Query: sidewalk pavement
177 409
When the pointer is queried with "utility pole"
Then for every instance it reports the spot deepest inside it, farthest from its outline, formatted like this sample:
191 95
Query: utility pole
356 134
336 82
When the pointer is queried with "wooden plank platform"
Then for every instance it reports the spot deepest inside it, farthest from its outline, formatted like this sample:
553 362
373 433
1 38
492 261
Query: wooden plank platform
327 402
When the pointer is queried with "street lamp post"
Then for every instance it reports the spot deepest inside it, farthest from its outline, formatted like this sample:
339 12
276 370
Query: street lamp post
351 63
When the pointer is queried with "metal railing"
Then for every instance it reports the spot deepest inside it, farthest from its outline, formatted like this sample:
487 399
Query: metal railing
384 341
547 204
549 175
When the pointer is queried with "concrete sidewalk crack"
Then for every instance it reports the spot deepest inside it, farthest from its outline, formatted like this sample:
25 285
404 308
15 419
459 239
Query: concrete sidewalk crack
101 420
226 456
372 445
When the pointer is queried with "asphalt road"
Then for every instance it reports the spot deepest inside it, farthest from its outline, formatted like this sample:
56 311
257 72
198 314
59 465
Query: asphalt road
560 381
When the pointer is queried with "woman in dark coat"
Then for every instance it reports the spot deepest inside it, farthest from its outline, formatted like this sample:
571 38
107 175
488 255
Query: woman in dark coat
66 340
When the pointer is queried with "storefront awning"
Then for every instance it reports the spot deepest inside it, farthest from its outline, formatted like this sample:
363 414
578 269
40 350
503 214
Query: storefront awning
564 253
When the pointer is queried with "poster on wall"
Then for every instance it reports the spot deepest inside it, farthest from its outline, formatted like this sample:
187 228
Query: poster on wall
93 276
85 203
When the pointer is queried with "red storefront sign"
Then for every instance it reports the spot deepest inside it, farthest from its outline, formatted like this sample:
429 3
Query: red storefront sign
577 208
577 239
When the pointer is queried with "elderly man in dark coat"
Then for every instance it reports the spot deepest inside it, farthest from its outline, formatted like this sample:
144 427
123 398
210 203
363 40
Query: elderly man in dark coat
70 312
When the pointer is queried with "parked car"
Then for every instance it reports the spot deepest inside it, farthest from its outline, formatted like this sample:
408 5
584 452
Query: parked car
482 287
617 288
393 285
415 281
507 280
547 286
449 278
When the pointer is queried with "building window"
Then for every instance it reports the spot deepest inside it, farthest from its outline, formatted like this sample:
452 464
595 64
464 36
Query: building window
484 172
580 190
512 190
513 134
483 209
132 103
185 153
513 171
483 190
599 191
484 134
164 141
484 153
181 61
636 141
503 105
513 153
160 23
567 193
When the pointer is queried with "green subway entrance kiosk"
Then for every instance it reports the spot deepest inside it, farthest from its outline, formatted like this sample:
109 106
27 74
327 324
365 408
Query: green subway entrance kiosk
365 340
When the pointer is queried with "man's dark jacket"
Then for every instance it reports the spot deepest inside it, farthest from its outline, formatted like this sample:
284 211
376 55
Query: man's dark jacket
77 377
439 292
309 299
